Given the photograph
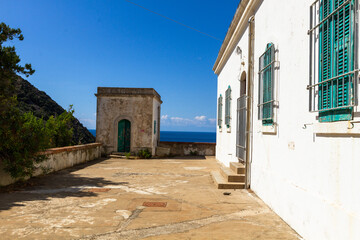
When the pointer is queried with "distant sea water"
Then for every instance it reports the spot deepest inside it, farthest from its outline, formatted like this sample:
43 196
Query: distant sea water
93 132
172 136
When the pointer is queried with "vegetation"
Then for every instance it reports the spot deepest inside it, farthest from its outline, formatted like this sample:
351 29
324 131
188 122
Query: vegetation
144 153
58 129
30 99
24 136
194 153
128 155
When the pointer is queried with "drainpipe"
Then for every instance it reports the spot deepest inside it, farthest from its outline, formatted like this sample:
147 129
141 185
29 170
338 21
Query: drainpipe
250 91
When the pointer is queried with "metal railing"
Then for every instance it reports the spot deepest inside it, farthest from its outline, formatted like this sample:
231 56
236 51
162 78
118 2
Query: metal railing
220 107
337 87
266 105
241 127
228 107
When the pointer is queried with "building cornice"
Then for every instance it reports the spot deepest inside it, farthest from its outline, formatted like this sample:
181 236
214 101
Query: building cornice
116 92
244 11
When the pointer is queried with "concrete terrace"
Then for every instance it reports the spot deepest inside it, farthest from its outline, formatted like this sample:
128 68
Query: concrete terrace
105 200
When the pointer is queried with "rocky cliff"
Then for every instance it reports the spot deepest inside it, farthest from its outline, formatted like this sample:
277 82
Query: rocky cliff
32 99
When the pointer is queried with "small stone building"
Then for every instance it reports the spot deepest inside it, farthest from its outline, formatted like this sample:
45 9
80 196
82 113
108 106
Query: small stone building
128 119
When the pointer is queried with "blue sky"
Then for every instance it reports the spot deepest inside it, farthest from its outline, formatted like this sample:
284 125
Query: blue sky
77 45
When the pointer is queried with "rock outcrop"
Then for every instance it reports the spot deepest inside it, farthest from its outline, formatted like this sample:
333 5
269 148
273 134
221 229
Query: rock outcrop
32 99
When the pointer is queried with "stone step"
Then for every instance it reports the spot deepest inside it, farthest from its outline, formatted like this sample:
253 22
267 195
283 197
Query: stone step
116 156
230 176
221 183
238 168
118 153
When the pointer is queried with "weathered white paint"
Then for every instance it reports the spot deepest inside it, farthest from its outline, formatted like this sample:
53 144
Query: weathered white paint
231 76
309 176
60 158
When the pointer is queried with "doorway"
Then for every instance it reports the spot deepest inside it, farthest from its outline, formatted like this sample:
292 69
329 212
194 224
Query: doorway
124 133
241 121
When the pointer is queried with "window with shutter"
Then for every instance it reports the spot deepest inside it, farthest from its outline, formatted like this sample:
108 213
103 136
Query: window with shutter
335 61
266 85
228 107
220 107
334 90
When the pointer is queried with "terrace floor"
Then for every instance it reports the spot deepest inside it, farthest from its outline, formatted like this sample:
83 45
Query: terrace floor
136 199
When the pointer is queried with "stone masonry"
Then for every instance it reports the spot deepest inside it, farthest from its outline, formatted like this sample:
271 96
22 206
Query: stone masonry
139 106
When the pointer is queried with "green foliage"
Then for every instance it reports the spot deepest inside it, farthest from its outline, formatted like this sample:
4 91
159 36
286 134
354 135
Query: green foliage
58 129
194 153
21 142
22 135
9 60
144 153
28 136
128 155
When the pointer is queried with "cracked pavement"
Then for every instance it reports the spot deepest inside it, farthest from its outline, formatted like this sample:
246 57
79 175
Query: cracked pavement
104 200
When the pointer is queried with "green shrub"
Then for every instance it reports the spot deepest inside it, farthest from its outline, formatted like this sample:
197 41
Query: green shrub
144 153
21 142
128 155
58 129
194 153
22 135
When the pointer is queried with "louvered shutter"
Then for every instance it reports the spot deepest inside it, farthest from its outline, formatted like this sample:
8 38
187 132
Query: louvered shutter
220 104
266 85
227 107
335 42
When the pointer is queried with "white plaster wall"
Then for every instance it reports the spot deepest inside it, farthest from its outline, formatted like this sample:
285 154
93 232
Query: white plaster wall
311 180
230 75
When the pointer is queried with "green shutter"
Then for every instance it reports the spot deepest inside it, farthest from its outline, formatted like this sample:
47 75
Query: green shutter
220 104
267 109
336 44
227 106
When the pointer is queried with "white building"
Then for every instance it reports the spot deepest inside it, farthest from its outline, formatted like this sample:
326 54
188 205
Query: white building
297 127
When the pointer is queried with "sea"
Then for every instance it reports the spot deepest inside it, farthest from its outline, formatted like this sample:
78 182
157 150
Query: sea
177 136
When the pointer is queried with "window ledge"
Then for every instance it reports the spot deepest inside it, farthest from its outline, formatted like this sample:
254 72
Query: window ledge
228 129
269 129
340 128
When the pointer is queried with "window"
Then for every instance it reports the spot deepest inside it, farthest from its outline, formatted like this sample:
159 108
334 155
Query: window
333 60
220 107
266 85
154 126
227 107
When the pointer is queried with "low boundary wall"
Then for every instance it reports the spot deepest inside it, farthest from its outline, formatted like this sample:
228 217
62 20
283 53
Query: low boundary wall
189 148
60 158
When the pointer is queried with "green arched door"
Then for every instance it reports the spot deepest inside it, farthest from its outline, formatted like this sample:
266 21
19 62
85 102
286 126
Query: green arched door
124 133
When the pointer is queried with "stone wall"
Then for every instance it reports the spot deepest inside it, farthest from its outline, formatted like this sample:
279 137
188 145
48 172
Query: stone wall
60 158
189 148
137 105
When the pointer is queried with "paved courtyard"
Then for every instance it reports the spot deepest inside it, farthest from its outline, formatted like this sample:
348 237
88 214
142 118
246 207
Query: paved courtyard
136 199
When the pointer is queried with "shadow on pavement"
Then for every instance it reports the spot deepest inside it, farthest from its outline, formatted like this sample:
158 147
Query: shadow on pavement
61 184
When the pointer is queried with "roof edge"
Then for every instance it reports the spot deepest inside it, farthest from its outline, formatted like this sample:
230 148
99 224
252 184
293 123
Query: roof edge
242 14
115 91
